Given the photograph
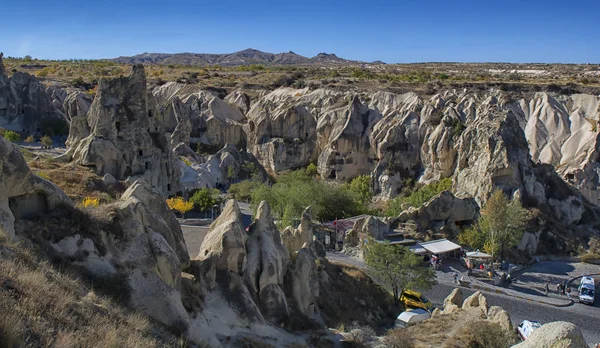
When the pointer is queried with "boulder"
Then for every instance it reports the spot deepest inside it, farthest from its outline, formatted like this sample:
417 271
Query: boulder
370 226
476 300
498 315
453 302
108 179
558 334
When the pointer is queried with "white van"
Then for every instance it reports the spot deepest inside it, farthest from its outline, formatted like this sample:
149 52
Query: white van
411 317
587 290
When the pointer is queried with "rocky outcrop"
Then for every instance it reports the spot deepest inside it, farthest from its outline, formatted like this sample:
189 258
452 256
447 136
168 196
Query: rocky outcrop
368 226
142 242
441 213
268 260
227 166
556 334
453 302
295 238
25 104
122 138
22 193
476 300
223 250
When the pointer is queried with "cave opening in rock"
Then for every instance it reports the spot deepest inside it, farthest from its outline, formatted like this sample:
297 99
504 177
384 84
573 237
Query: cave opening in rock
118 126
140 153
332 174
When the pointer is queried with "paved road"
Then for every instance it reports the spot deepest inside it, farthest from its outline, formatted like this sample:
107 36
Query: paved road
193 236
587 318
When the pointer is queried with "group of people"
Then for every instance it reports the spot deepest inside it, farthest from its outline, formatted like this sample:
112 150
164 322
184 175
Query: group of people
561 288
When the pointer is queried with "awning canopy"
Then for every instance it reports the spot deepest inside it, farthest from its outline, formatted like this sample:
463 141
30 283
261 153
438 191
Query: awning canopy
440 246
417 249
478 255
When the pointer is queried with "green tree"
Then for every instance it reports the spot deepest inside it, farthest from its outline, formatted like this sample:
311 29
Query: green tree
205 198
397 267
296 190
12 136
361 187
242 191
46 141
500 226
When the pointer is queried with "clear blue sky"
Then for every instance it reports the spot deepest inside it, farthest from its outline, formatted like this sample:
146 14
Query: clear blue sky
392 31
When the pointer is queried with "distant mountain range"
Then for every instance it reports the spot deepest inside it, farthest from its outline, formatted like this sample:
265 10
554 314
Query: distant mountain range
245 57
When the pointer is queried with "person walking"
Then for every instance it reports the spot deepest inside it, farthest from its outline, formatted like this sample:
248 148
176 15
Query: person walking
547 288
455 277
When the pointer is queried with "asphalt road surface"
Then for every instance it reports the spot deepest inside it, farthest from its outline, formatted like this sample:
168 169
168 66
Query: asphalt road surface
193 236
587 318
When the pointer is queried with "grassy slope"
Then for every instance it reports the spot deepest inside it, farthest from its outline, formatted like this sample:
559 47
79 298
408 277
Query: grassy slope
42 307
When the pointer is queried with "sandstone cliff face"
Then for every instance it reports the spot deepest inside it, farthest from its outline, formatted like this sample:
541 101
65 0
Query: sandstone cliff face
25 103
119 135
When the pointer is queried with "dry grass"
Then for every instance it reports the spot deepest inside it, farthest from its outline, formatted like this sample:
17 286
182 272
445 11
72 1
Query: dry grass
76 181
352 298
42 307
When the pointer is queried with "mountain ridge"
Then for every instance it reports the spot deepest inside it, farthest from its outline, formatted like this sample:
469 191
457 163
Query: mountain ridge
248 56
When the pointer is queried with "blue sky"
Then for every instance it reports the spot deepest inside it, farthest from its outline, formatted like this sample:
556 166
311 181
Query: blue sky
392 31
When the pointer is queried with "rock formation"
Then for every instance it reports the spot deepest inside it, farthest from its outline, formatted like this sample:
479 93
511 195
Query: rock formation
25 104
121 137
22 193
555 334
273 285
295 238
227 166
441 213
368 226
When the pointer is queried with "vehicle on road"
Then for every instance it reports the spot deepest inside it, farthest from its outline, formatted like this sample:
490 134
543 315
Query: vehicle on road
526 328
414 299
587 290
411 317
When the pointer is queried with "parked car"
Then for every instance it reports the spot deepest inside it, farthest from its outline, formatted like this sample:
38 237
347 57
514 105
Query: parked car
414 299
526 328
587 290
411 317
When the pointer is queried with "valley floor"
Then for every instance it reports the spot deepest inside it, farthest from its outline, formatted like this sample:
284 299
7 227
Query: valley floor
587 318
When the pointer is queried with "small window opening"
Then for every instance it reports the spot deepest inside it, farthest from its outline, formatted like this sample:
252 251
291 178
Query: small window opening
140 153
118 126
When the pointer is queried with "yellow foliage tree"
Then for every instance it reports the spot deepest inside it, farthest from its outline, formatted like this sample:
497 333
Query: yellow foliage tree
180 205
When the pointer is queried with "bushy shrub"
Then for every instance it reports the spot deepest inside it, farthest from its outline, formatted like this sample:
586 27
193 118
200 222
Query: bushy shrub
205 198
485 334
399 338
11 136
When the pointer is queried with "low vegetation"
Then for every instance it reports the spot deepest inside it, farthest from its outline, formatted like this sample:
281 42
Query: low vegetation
484 334
419 196
293 192
11 136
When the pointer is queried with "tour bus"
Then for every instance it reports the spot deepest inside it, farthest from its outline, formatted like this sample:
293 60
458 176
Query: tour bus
586 290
